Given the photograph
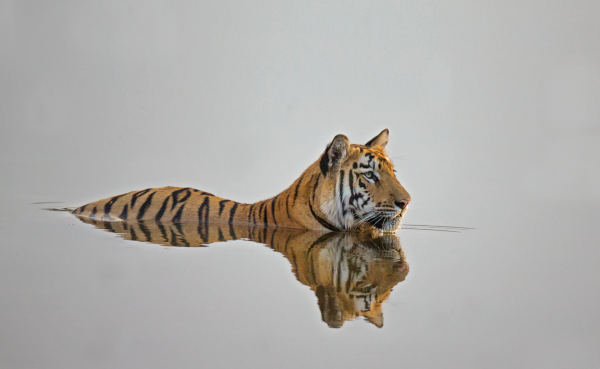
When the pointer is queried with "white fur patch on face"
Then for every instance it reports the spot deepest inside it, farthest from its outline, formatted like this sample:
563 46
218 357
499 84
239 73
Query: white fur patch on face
329 207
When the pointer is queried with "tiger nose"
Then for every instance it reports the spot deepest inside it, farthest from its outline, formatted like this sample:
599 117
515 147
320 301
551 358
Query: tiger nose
401 204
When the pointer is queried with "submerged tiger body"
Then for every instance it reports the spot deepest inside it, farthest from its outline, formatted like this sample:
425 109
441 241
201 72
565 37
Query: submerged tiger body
350 187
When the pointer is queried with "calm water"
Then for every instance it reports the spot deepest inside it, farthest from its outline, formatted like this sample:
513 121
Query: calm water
494 125
74 295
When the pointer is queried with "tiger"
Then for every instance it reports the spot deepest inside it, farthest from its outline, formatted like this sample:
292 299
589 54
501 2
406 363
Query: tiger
351 274
350 187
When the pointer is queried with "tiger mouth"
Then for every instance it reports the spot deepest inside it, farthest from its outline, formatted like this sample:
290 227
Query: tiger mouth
385 223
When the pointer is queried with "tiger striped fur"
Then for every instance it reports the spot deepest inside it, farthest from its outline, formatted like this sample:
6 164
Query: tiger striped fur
349 188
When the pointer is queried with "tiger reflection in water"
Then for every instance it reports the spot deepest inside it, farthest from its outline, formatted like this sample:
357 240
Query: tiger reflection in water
351 274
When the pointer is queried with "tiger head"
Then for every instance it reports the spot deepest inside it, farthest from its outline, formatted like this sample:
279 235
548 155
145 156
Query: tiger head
366 193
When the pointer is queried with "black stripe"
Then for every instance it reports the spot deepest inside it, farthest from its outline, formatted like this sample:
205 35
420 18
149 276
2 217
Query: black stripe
132 233
231 215
81 209
256 234
348 285
250 213
351 185
266 212
324 162
180 230
287 205
173 237
255 231
338 287
163 231
176 193
135 196
322 221
146 231
203 235
110 203
162 209
260 212
108 226
295 265
145 206
249 230
204 210
319 241
221 206
315 188
221 238
285 247
313 277
232 232
297 187
341 192
203 224
177 217
232 212
273 238
273 209
93 214
124 212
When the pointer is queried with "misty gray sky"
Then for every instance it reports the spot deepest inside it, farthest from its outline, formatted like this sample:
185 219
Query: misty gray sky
239 97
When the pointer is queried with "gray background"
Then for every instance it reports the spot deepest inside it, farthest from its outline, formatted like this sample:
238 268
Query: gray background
494 115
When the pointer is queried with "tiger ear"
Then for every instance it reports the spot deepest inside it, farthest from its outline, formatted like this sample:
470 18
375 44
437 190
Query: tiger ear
379 141
377 320
335 153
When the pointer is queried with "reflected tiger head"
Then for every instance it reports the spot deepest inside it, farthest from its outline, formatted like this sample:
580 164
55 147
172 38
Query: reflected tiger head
358 279
351 274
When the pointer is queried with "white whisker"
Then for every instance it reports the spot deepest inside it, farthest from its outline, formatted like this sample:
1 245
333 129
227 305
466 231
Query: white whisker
364 219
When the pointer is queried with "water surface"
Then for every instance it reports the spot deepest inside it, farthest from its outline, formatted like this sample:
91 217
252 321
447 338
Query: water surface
78 295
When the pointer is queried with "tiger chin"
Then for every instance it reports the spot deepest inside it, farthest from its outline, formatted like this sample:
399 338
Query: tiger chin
349 188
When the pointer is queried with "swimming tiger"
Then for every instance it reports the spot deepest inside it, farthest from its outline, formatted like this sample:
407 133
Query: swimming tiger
352 274
349 188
